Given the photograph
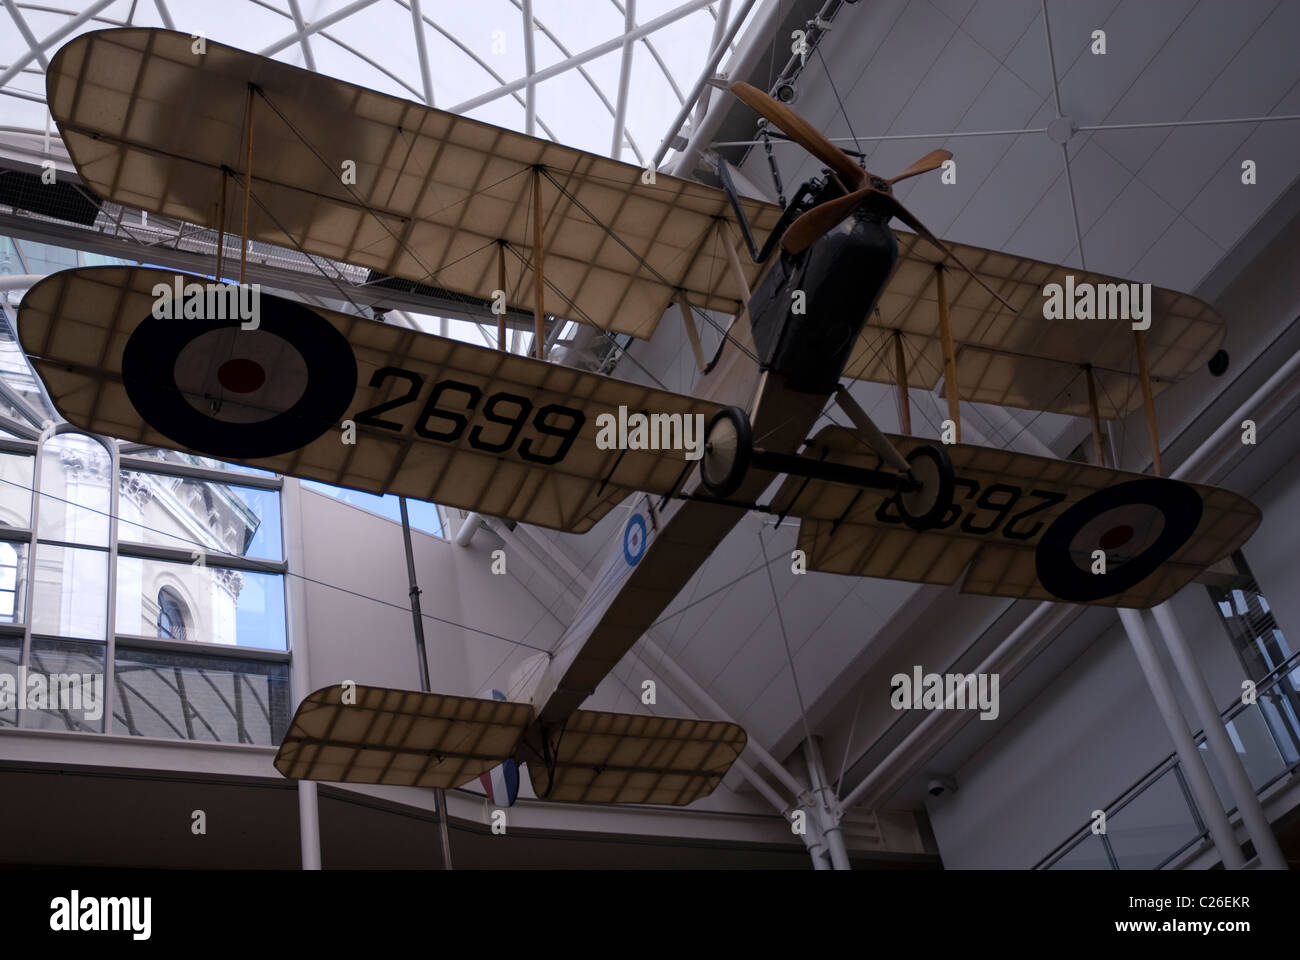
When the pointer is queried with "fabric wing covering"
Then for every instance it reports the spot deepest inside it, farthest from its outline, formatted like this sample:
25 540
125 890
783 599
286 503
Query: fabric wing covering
364 734
631 758
1025 360
151 124
1005 505
435 419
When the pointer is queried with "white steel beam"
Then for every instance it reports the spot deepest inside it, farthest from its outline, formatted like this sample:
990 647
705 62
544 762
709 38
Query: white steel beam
306 44
710 68
672 16
315 27
530 71
27 34
22 61
422 51
624 80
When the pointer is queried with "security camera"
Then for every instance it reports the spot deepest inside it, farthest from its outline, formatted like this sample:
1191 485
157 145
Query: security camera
786 92
938 786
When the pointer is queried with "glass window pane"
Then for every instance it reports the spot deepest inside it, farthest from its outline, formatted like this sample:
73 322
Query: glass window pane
16 489
71 595
207 604
1152 826
13 581
74 490
163 694
72 675
1088 854
11 651
423 515
191 514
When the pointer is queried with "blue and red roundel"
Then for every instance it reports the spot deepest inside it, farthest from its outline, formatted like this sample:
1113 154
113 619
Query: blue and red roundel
634 537
501 782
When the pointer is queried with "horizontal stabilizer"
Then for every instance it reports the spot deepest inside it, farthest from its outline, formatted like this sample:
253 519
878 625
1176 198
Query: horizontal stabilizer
631 758
355 734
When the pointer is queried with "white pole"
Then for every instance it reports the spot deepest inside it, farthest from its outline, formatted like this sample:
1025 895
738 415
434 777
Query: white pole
1248 805
299 675
1198 778
826 807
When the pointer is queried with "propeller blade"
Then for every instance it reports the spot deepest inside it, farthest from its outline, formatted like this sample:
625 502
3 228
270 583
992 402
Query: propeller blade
802 133
815 223
931 161
908 218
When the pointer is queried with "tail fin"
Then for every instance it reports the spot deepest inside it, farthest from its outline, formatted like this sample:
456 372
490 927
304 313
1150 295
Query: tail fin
501 783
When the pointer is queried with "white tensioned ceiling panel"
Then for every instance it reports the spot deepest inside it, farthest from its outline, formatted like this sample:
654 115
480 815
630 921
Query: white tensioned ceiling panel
1154 201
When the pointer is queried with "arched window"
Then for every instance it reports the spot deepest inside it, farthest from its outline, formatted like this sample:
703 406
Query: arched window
171 615
8 581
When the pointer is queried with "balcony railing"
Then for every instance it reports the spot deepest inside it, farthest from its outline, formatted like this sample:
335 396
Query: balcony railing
1156 821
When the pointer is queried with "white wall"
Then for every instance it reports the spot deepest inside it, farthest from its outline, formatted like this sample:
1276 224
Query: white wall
367 635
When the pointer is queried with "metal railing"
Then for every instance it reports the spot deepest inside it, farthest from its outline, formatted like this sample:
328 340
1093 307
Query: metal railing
1156 821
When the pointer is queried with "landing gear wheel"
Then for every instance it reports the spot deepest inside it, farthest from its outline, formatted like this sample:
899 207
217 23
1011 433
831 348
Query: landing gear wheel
728 444
924 507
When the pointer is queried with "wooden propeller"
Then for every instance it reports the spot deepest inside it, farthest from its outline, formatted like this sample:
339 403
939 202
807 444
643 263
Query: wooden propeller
815 223
931 161
802 133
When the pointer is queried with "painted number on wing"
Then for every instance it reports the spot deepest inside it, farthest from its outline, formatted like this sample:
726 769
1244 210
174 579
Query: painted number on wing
985 513
452 405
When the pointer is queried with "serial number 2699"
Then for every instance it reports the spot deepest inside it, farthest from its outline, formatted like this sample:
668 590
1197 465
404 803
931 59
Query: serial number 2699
505 415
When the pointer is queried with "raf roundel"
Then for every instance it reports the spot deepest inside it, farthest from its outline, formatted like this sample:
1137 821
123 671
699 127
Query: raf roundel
634 538
241 394
1138 525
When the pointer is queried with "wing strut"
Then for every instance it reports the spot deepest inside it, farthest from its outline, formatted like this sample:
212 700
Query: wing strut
900 380
539 312
876 440
949 356
248 191
1148 405
1093 415
501 285
692 333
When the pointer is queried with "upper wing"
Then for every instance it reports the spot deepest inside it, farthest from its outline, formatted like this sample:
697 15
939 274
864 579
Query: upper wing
1025 360
460 425
151 124
1021 526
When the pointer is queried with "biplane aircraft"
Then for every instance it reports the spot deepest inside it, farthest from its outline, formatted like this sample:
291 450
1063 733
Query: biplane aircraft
226 136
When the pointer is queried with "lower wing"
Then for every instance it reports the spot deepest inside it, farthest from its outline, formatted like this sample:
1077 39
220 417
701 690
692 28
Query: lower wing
1020 526
437 419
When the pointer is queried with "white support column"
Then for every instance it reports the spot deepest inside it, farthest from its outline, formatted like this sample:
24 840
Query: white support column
1198 778
1248 805
299 673
827 807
